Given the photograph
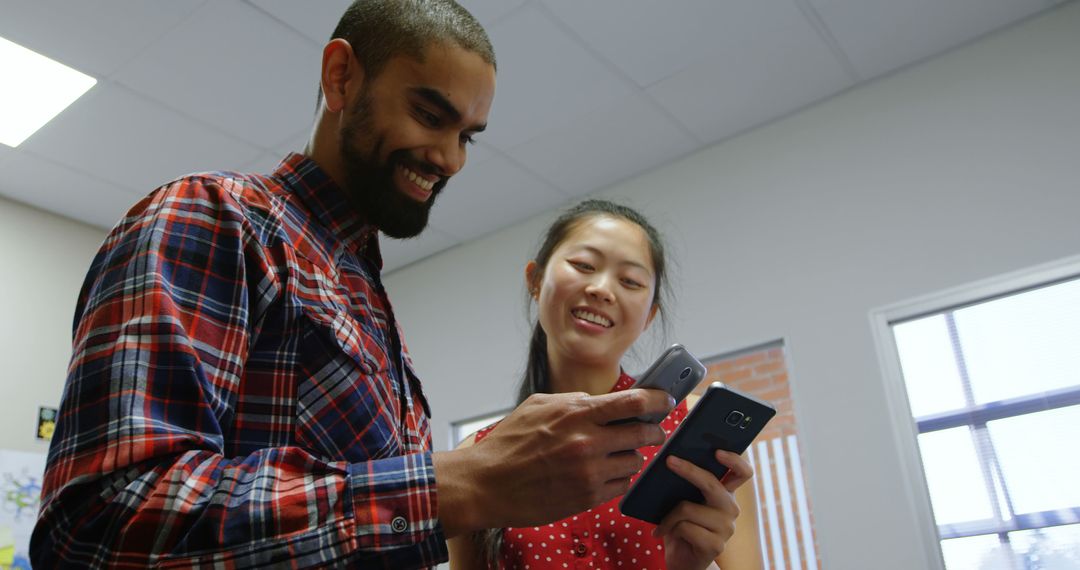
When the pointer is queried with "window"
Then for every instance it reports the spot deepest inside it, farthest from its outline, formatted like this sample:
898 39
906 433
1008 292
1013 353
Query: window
785 523
992 386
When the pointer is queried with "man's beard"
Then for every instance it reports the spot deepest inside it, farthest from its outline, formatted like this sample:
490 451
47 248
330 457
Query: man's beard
369 184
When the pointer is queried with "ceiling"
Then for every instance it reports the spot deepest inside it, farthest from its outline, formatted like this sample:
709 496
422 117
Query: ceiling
590 92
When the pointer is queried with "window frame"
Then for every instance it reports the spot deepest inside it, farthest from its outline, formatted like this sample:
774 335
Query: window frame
905 429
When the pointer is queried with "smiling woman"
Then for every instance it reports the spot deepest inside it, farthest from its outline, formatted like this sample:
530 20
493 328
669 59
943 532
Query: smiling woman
598 281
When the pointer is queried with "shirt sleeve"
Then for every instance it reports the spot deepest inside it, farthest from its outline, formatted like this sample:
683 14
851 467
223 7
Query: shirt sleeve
137 474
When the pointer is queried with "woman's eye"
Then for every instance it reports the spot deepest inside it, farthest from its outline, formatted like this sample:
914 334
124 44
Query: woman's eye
582 265
632 284
467 139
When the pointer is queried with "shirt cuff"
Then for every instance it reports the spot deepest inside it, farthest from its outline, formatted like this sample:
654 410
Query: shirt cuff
396 507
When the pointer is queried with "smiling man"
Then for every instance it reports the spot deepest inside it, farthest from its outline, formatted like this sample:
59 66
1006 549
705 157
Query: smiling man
239 393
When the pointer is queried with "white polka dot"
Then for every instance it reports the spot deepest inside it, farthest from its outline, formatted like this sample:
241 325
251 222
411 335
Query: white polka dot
639 533
552 536
549 559
648 552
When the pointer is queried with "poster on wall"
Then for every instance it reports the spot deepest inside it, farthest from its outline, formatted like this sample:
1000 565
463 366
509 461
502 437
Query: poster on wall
20 477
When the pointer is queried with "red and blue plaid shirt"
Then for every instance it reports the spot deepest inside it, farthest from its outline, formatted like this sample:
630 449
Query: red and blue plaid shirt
239 394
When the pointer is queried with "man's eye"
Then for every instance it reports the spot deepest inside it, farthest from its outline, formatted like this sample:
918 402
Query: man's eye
427 116
467 139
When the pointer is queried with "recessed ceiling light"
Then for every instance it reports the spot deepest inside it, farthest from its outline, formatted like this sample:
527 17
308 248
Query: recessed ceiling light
36 89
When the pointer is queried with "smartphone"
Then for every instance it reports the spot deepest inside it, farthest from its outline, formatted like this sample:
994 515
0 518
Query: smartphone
676 372
723 419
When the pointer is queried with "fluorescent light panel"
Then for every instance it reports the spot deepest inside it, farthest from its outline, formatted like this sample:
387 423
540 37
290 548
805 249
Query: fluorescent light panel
36 89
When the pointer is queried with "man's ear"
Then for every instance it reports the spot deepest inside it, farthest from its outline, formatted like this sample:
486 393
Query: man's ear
341 72
532 280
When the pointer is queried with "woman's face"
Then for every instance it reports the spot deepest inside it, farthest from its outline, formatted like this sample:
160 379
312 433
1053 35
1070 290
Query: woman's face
596 294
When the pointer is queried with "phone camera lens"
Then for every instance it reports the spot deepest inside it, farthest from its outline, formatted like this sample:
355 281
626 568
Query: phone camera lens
734 418
685 373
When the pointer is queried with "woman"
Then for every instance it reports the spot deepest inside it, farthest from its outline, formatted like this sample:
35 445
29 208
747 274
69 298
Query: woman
597 281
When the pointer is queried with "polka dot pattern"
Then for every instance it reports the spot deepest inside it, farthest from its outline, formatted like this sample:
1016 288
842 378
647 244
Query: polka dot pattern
601 537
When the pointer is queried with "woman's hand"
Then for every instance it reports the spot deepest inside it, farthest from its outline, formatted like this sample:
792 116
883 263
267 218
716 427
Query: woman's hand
695 535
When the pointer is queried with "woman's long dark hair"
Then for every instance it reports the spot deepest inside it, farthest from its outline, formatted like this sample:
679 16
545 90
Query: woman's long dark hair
536 379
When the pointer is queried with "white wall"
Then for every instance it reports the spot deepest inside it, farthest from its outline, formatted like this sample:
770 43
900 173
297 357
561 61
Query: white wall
44 259
957 169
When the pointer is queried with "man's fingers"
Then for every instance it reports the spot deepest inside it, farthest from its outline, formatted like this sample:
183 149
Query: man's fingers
628 404
629 436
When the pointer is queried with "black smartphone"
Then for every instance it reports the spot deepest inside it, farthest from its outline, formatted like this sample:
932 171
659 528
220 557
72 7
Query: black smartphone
676 372
723 419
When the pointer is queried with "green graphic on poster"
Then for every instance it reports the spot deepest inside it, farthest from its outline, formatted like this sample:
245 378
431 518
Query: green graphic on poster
20 497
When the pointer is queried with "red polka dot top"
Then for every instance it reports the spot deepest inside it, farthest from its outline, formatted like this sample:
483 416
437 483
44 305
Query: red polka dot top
600 537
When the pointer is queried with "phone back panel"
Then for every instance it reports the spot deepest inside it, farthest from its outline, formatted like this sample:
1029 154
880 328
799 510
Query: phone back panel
722 419
676 372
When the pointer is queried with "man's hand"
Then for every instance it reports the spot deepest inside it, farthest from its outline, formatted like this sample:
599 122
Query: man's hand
554 456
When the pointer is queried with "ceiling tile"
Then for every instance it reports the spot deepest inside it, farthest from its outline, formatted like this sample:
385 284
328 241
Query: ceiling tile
146 144
235 67
881 35
652 40
315 20
61 190
617 141
545 77
488 11
783 68
398 253
491 195
94 37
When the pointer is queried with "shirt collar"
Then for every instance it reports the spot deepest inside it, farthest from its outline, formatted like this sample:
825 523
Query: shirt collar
326 202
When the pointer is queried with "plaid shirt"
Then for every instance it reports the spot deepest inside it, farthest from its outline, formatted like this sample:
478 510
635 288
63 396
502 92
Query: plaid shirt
238 394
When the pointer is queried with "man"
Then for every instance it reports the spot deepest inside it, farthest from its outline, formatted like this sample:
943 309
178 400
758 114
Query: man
239 393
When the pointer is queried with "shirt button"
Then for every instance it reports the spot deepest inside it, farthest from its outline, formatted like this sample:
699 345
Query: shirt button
580 549
399 525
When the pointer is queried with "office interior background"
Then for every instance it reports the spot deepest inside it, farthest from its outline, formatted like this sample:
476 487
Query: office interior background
843 184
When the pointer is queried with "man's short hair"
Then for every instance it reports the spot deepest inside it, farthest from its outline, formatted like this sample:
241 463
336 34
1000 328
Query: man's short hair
378 30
